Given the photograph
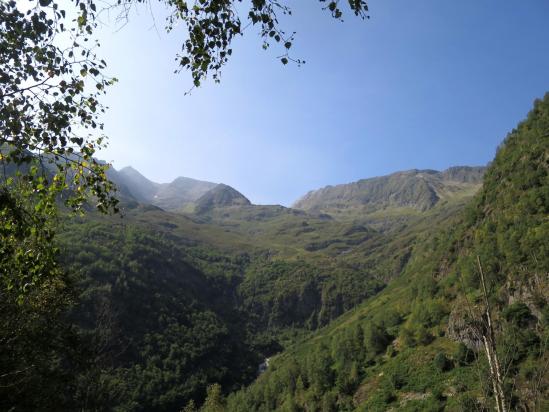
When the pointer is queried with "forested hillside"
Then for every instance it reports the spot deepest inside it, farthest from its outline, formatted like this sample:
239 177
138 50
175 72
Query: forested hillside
418 290
154 285
418 344
164 304
358 305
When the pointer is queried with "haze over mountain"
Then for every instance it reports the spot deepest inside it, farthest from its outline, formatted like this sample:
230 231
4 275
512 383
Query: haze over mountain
180 193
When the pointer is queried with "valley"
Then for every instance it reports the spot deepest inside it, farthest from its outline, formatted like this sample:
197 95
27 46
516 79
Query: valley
367 232
361 296
236 281
349 293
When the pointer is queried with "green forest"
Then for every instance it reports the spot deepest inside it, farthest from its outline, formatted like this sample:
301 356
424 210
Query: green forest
162 311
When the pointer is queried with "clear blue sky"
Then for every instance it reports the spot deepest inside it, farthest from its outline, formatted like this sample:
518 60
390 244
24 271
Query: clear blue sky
424 84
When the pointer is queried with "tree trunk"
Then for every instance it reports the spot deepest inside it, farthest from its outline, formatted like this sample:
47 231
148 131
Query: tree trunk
490 348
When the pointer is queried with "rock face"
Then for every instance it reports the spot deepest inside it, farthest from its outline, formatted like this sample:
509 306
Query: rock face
417 189
220 196
465 326
182 191
463 174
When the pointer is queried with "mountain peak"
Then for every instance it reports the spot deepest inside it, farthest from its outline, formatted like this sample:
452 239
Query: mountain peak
131 171
180 194
464 174
141 188
221 196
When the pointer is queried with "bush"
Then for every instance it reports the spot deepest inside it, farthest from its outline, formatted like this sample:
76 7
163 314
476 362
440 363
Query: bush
518 314
429 313
467 403
423 336
390 321
386 394
407 337
464 355
398 376
442 363
391 351
438 393
376 339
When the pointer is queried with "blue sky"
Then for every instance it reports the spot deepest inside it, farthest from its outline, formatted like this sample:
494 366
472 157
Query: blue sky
425 84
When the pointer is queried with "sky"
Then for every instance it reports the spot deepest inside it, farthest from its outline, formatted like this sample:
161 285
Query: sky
427 84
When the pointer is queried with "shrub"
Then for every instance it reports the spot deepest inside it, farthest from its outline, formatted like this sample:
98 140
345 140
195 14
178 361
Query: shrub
518 314
467 403
442 363
464 355
376 339
423 336
391 351
407 337
398 376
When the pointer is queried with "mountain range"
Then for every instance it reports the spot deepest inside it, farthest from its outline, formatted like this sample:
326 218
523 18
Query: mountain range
413 189
363 296
182 193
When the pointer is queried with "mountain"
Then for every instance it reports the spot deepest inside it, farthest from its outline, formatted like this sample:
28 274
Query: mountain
220 196
351 316
180 194
176 287
415 189
139 186
418 345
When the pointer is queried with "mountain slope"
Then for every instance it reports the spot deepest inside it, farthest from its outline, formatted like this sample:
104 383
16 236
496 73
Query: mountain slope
163 292
174 196
414 346
416 189
220 196
173 302
180 192
142 189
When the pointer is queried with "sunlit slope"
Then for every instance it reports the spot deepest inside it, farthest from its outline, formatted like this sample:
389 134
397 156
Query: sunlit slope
416 189
410 347
235 283
303 269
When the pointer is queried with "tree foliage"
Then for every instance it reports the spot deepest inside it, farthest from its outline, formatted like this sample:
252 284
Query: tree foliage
51 83
49 115
212 26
